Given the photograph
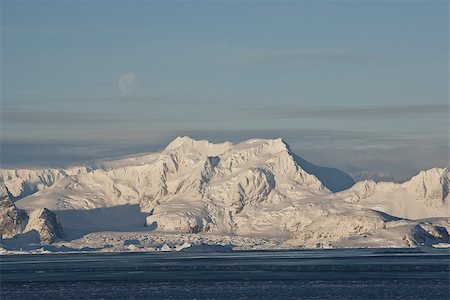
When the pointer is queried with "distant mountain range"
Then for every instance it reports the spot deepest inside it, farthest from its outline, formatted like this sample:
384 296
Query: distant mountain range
258 188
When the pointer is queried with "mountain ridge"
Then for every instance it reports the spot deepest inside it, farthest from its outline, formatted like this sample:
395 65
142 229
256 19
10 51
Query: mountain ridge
256 188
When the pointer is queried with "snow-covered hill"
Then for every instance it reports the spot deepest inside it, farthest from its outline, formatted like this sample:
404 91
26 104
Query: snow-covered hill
258 188
426 195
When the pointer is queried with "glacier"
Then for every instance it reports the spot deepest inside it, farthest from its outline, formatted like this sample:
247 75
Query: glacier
256 194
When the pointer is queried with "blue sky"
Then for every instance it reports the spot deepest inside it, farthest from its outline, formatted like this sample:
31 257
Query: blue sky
358 85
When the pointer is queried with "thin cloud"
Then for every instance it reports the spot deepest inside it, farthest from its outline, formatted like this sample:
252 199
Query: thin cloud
141 99
304 55
58 118
406 110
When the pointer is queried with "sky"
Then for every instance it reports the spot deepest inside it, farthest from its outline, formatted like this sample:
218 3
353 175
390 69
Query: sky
357 85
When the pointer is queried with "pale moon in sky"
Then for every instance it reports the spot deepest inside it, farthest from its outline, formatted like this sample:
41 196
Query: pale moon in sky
128 83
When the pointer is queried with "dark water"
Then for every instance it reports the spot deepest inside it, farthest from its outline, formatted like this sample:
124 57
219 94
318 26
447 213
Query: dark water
313 274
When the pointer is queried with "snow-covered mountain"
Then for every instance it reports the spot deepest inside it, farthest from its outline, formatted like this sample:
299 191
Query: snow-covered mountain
426 195
257 188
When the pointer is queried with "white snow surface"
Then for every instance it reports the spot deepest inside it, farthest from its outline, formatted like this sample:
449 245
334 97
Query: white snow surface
255 189
426 195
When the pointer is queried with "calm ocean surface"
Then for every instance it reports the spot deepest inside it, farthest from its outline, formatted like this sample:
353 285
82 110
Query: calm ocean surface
304 274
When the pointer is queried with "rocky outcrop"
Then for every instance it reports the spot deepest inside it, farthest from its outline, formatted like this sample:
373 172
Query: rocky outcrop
14 221
47 224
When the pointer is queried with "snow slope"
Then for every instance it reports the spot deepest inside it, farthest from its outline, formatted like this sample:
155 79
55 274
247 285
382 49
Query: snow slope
258 188
426 195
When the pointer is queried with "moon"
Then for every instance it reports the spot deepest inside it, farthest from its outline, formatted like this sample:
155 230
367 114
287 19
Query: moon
128 83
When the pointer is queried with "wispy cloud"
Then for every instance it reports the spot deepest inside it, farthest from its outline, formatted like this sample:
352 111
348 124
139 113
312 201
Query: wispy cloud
406 110
58 118
303 55
141 99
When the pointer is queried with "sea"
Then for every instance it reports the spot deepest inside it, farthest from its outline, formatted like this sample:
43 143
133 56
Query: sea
300 274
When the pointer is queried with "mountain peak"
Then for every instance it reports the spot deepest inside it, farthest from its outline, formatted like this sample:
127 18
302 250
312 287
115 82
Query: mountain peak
432 185
188 144
180 140
434 175
269 146
188 141
433 172
278 143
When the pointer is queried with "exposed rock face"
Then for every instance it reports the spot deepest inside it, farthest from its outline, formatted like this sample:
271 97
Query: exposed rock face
15 221
47 224
186 222
12 219
427 234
